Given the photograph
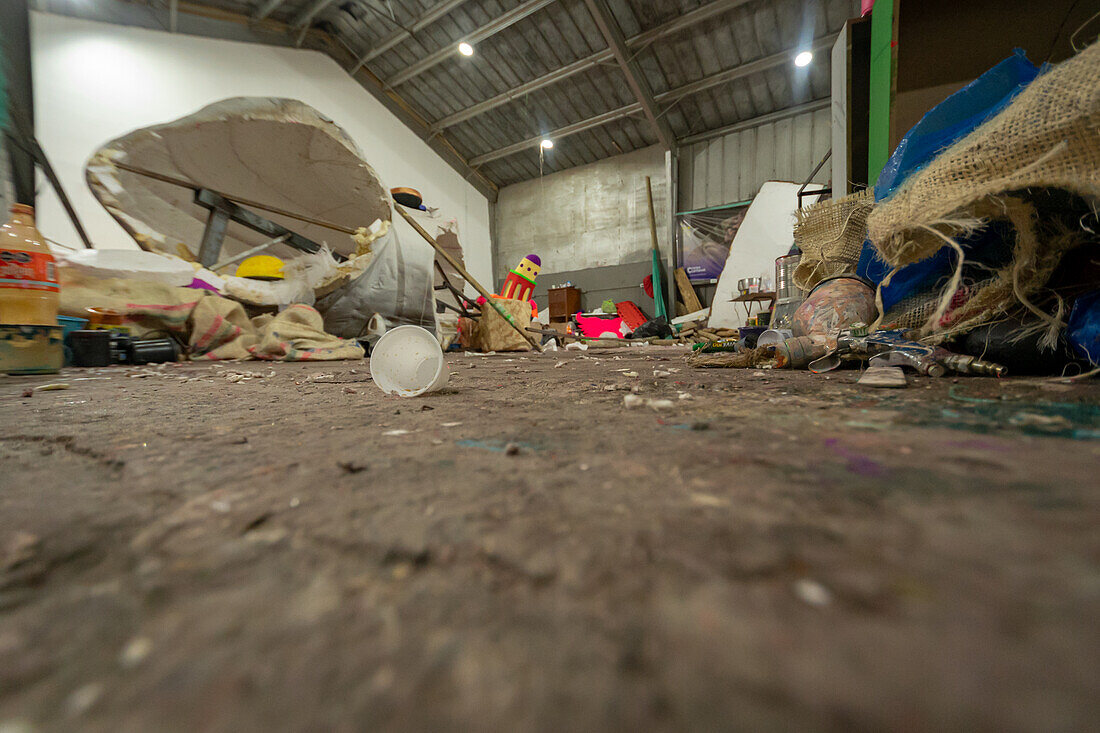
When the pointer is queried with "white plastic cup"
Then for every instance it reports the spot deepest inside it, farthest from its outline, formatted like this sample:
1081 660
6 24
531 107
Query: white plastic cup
407 361
774 336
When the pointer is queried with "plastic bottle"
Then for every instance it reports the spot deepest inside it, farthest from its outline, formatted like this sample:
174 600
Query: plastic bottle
29 289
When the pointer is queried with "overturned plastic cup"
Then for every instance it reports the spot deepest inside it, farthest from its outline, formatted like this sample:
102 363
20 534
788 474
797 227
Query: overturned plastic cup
408 361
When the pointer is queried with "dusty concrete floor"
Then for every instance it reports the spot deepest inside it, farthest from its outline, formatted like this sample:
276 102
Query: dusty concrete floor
779 551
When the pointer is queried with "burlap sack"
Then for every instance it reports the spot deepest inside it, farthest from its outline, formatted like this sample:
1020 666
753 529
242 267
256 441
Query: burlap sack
1048 137
494 333
830 235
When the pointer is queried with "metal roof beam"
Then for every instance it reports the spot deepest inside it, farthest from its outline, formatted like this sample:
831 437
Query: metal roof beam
613 34
425 20
675 25
495 26
670 97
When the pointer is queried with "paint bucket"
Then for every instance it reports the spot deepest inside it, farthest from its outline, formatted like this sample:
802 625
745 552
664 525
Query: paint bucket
407 361
835 303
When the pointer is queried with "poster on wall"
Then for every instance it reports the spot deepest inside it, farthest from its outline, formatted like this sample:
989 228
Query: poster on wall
705 238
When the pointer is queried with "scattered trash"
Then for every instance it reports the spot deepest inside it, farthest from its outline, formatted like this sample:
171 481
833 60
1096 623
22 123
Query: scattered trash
559 364
684 396
450 424
630 374
83 698
135 652
395 433
51 387
352 466
661 373
708 500
511 449
883 376
408 361
812 593
632 400
576 346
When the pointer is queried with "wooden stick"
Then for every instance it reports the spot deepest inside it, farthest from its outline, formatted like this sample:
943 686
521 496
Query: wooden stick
468 278
235 199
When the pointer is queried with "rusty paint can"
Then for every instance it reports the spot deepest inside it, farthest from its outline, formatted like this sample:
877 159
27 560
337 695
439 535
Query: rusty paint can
835 304
797 353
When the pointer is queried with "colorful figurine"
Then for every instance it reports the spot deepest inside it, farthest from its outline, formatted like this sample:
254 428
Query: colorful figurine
521 280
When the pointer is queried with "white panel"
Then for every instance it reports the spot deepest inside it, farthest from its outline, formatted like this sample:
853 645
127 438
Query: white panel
97 81
715 171
839 113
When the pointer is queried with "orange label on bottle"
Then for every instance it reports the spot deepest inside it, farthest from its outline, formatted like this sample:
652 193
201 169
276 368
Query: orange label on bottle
28 270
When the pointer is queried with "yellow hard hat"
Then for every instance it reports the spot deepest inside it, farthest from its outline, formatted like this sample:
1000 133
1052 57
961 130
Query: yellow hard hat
261 267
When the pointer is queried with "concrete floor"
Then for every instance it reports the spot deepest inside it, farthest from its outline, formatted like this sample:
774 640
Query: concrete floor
184 549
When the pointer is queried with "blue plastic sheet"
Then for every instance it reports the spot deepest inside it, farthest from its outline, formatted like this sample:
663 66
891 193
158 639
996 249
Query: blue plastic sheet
954 118
947 122
1083 331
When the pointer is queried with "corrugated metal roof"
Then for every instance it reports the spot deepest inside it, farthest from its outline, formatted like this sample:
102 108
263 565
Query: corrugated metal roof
519 41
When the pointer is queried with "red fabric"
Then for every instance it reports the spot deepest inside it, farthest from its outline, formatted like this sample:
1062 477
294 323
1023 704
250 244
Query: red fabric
647 285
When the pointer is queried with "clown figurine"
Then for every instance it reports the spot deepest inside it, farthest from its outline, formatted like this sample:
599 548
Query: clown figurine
521 280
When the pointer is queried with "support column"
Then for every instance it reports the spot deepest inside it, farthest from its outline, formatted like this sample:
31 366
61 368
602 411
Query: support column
15 46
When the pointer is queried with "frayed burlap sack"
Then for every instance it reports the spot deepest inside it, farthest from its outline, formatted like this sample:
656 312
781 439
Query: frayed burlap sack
495 334
1047 138
830 235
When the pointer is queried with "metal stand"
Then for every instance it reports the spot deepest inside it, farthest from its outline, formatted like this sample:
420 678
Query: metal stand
223 211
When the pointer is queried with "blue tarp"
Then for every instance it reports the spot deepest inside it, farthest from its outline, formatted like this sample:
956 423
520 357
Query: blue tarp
947 122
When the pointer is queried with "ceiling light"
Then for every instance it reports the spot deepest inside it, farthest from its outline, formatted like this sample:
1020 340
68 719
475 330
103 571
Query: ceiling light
803 59
546 143
467 50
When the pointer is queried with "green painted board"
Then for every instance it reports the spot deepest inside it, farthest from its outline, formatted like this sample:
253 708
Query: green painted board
883 69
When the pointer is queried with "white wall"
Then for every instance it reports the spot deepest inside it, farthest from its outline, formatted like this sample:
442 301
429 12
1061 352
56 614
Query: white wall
594 215
94 82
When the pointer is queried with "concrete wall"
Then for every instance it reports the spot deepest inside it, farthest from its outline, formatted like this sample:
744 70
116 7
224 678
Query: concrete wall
588 224
96 81
590 216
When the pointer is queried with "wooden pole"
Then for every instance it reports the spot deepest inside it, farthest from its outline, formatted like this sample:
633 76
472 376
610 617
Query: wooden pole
658 284
468 278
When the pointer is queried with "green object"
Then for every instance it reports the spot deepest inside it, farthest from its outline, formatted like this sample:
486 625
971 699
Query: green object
659 307
708 347
883 70
608 307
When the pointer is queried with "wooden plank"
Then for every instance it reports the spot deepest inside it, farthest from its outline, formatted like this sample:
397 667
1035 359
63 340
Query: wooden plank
687 292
